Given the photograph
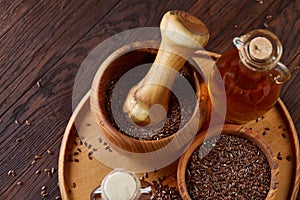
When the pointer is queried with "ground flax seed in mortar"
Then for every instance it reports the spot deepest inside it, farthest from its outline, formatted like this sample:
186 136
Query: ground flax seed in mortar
178 113
235 168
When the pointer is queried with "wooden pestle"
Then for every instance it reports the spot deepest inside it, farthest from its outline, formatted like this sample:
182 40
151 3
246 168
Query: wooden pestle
182 34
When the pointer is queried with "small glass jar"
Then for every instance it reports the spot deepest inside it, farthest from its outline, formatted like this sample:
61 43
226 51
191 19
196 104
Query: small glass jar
120 184
252 75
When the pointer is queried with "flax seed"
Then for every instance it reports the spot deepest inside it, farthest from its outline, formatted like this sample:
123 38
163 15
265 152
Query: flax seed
39 83
11 173
279 156
269 16
28 123
289 158
33 162
17 122
50 151
19 139
46 170
20 183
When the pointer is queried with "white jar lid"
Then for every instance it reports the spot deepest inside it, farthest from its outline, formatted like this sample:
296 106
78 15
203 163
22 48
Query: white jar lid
120 185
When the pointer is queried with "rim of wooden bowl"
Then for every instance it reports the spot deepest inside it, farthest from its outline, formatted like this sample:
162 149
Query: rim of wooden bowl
102 120
235 130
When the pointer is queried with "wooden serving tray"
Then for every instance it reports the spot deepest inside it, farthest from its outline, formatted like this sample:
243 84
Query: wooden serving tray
80 172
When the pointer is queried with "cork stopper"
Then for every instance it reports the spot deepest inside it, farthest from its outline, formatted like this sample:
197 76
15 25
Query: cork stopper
260 48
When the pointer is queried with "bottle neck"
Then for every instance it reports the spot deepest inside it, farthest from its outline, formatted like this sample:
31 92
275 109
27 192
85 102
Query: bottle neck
259 50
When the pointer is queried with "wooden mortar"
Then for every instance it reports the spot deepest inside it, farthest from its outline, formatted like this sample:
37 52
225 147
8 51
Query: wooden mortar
120 62
182 34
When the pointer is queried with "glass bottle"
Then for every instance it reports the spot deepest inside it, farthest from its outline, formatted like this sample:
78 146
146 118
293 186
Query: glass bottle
121 184
252 75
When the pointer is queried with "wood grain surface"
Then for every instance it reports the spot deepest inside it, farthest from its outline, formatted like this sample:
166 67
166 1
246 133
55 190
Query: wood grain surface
43 43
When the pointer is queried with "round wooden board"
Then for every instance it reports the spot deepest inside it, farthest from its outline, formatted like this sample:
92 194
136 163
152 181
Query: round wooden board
80 174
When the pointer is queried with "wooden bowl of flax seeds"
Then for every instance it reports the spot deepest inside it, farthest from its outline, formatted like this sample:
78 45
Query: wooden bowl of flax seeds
129 137
238 164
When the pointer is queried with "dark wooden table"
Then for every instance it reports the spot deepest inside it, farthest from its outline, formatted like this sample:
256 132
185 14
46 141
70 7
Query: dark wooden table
43 43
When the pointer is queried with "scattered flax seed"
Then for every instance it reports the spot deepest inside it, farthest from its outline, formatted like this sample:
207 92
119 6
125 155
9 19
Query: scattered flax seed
38 171
76 153
17 122
69 191
289 158
107 148
90 153
11 173
295 69
267 129
104 143
235 26
19 139
264 132
49 174
74 185
94 149
283 135
46 170
50 151
266 25
81 143
44 187
282 127
88 124
28 123
146 175
39 83
260 1
33 162
76 160
279 156
20 183
37 157
99 140
79 150
44 193
53 170
260 118
142 178
89 146
57 198
269 16
85 144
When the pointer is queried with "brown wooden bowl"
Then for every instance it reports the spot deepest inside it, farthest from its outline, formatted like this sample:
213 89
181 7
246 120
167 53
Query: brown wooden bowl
236 131
118 63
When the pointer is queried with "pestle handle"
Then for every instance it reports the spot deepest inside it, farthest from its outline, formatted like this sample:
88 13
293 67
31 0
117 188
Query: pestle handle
182 34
